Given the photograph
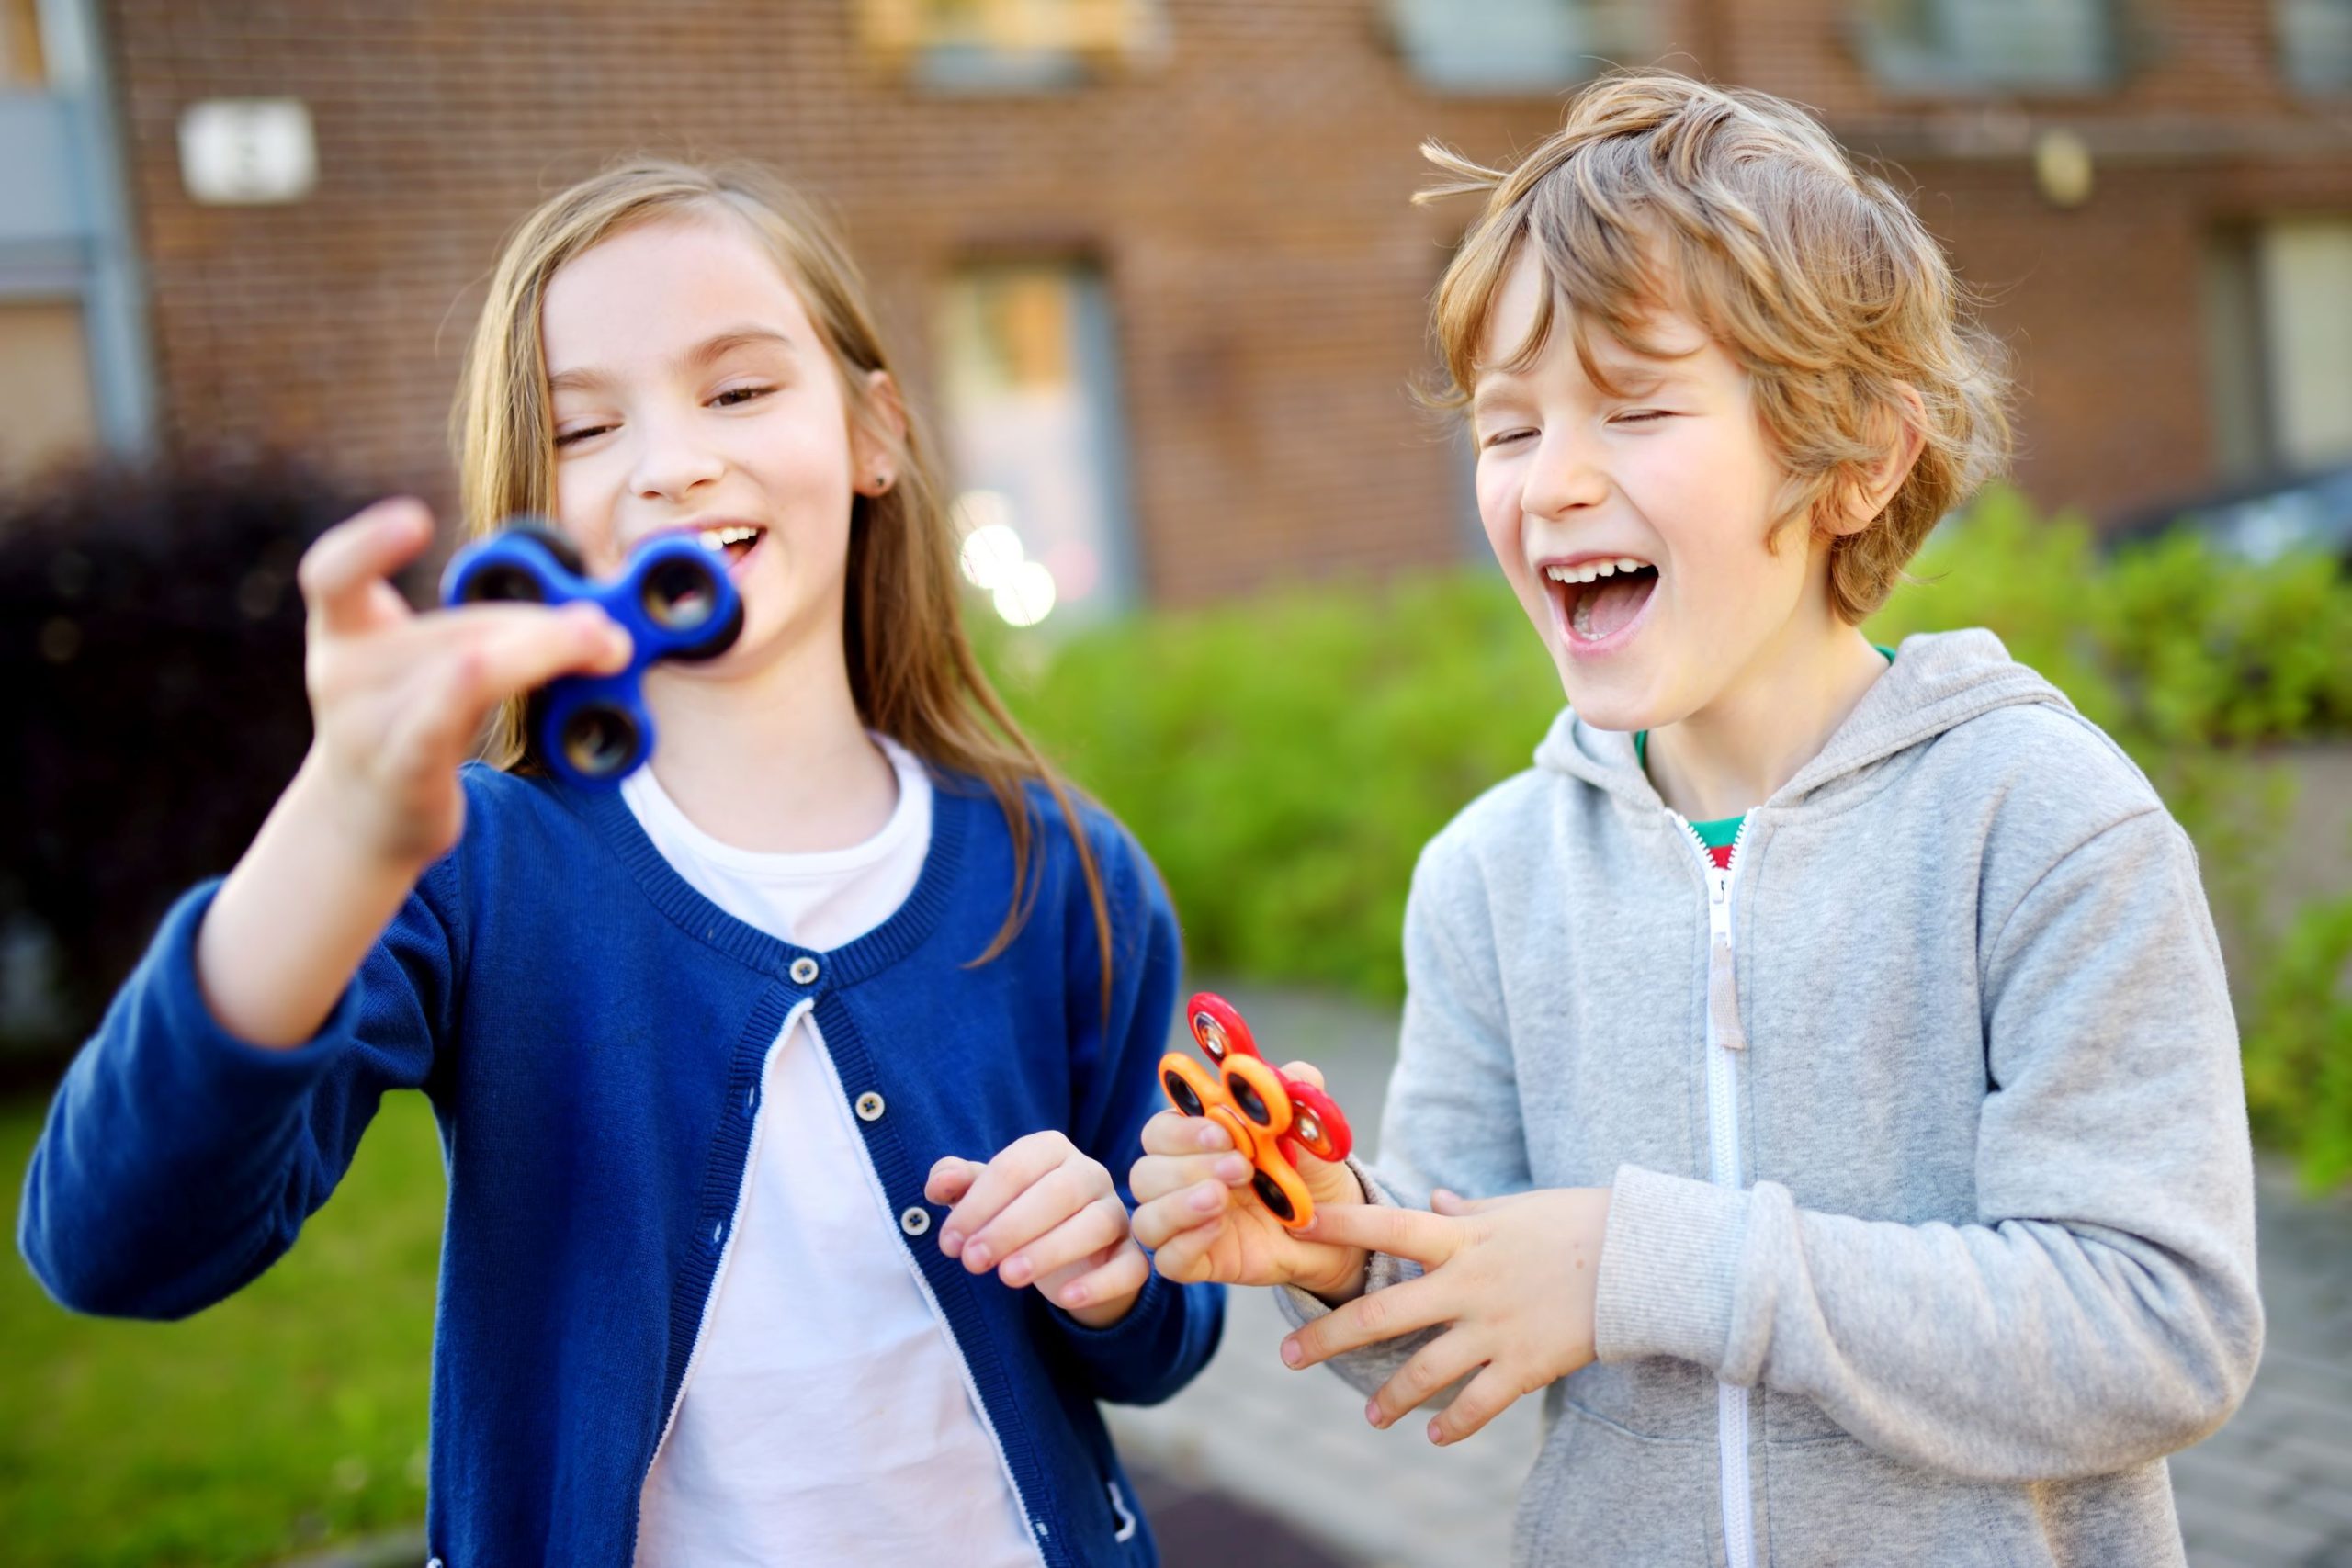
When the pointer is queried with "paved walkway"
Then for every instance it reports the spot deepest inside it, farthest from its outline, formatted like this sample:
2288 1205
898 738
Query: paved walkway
2271 1490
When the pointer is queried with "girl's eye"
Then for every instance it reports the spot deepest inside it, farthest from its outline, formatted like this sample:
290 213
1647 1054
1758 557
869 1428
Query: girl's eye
567 437
1644 416
735 395
1501 438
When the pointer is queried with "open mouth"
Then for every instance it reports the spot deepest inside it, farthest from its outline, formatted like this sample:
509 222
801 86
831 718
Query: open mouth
734 541
1600 600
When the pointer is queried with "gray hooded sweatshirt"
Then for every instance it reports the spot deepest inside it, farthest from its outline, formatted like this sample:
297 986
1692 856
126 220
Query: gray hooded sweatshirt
1932 1230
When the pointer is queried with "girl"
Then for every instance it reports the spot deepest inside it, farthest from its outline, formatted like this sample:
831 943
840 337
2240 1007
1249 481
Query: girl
707 1053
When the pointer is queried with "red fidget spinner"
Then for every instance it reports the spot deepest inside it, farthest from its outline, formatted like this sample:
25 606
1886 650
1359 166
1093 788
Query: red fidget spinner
1269 1117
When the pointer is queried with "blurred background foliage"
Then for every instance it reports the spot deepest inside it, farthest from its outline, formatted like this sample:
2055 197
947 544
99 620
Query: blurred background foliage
1283 758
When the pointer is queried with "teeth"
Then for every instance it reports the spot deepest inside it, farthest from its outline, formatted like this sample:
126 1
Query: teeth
1593 570
717 539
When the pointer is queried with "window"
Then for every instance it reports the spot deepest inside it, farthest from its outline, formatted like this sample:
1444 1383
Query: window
1989 45
22 61
46 409
2278 335
1035 442
2316 44
1010 45
1519 46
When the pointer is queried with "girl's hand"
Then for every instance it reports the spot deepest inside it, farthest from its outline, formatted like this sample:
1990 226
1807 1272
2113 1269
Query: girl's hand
397 699
1195 1210
1043 1214
1515 1277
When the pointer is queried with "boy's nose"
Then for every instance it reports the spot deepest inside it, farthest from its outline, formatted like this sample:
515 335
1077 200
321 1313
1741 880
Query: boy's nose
1566 476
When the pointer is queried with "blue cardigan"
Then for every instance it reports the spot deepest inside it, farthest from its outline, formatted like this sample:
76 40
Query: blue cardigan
590 1032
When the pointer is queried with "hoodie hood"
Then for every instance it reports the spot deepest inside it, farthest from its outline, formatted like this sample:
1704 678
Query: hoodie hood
1938 682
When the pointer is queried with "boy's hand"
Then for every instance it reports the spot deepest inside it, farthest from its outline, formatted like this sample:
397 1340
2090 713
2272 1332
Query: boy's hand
1515 1277
1043 1214
1195 1210
397 699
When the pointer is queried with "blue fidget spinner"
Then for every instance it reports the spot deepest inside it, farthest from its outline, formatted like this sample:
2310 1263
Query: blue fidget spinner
673 599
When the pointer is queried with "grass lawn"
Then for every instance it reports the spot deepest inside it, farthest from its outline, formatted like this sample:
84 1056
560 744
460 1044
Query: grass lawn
290 1416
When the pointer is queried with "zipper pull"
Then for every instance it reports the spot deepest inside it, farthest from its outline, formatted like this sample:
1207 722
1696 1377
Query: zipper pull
1723 997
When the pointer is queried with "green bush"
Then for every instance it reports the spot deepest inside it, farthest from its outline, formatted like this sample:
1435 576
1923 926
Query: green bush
1285 758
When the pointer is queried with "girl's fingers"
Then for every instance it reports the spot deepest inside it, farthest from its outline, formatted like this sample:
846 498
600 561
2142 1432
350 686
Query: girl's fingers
531 645
1160 1223
1156 1175
1101 1223
342 574
950 1179
1017 1166
1037 1209
1125 1274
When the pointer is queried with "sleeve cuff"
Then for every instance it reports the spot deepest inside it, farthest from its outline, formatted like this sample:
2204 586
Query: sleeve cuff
1669 1267
215 1064
1144 1319
1380 1270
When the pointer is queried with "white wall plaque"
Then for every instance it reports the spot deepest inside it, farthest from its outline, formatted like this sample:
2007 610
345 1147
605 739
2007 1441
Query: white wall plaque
247 151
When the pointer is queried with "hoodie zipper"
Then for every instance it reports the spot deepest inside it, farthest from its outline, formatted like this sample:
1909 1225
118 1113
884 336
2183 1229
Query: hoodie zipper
1724 1036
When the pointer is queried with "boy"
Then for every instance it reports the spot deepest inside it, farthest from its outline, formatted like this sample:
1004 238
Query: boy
1828 1045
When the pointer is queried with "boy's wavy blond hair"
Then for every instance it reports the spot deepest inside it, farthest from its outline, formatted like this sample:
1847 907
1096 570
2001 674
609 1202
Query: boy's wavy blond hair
1740 211
911 668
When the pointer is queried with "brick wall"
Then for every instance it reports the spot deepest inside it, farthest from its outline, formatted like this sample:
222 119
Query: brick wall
1244 196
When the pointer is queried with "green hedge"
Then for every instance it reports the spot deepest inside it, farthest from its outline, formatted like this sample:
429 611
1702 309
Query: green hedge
1285 757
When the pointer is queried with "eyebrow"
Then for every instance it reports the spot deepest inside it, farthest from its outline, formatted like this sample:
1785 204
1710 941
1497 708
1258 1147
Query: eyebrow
714 347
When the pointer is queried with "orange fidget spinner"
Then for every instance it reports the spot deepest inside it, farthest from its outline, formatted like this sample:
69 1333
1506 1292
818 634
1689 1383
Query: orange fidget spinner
1268 1116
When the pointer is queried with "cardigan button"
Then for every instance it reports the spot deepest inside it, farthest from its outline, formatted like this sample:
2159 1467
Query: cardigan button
915 1219
869 1107
804 971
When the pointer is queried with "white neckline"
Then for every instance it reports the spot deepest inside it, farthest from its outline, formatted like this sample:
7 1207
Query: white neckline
656 810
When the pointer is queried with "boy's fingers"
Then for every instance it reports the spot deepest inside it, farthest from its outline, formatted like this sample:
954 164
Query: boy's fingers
1488 1394
1156 1175
341 568
1434 1368
1187 1209
1453 1206
1305 1072
1173 1133
1427 1239
1185 1258
1370 1318
1098 1226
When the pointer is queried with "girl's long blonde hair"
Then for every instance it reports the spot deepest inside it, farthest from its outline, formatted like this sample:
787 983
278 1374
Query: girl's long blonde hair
911 670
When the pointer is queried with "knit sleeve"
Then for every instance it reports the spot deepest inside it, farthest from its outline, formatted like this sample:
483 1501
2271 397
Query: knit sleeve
178 1162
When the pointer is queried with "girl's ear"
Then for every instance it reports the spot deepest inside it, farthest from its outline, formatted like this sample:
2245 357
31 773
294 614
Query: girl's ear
877 435
1865 493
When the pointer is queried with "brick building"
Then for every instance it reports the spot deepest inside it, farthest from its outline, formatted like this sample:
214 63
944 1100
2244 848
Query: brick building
1150 263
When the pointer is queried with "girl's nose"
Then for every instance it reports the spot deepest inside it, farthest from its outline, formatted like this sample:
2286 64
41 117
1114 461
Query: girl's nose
671 463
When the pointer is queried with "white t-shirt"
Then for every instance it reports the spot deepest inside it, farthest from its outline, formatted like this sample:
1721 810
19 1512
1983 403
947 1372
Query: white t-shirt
826 1416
